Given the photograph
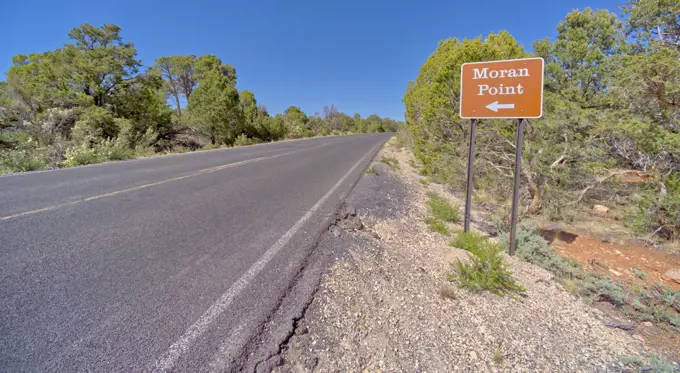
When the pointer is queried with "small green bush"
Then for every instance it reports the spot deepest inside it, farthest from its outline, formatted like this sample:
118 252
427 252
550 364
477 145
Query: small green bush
402 138
639 274
653 364
652 205
392 162
605 286
441 209
371 171
81 155
21 160
468 241
533 248
437 226
114 150
243 140
486 269
106 150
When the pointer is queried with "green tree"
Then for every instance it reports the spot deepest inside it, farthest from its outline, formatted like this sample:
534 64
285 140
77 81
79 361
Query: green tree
208 63
579 62
214 105
177 72
296 122
654 20
101 61
432 100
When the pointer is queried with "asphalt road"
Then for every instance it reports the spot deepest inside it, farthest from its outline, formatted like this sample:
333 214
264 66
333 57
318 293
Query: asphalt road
162 264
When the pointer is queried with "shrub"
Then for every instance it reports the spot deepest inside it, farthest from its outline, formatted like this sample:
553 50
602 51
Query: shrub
647 364
371 171
437 226
95 123
105 150
80 155
114 150
639 274
21 160
659 212
243 140
468 241
392 162
401 139
531 247
486 269
615 293
442 209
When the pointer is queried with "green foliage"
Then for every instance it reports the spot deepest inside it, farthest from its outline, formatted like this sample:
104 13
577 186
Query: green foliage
654 364
485 270
90 102
533 248
243 140
660 212
441 209
214 105
95 124
371 171
81 155
432 100
654 21
639 274
438 226
178 75
390 161
468 241
657 303
106 150
609 105
21 160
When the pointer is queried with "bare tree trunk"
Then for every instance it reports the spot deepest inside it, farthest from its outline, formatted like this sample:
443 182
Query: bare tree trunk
534 190
179 110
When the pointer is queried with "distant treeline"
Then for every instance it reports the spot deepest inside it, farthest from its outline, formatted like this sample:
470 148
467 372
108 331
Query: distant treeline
92 101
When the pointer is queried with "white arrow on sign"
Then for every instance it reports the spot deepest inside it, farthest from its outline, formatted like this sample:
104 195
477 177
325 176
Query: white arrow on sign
494 106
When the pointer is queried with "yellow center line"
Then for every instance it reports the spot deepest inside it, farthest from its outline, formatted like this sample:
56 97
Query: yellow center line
110 194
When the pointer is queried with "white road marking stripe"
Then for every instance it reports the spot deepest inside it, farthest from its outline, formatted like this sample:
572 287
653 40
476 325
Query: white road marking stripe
181 346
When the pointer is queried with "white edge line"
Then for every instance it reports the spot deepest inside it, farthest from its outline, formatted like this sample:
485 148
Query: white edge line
177 349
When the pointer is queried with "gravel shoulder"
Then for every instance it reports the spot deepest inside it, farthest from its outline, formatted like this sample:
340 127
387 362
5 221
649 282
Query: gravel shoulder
385 304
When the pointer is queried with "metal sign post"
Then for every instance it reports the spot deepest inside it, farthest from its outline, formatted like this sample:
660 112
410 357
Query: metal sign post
470 166
515 188
509 89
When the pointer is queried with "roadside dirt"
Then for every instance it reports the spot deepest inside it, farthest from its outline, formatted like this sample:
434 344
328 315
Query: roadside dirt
386 306
622 260
619 261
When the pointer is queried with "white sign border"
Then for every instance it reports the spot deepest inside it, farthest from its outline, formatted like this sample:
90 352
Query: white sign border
460 107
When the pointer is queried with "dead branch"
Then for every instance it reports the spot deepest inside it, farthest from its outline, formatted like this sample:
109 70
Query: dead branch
499 168
600 181
506 140
534 190
559 160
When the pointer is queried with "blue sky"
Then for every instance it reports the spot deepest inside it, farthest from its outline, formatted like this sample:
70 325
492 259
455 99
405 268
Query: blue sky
356 54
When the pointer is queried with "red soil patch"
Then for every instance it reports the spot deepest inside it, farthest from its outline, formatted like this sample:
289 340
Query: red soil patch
617 261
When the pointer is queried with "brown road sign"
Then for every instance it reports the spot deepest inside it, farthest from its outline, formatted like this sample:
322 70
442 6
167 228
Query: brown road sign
502 89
